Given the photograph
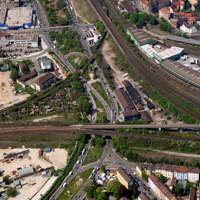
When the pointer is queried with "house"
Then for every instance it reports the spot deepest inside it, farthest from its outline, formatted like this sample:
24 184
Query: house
129 115
148 6
193 174
21 66
123 99
126 6
175 22
160 189
26 77
44 82
5 68
181 173
198 193
187 28
124 178
139 106
178 5
164 13
163 3
192 195
145 117
17 184
143 196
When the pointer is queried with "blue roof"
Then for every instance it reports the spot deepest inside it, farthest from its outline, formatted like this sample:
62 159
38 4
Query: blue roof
47 149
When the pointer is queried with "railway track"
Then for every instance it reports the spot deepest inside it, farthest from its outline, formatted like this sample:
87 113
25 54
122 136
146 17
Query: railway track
144 71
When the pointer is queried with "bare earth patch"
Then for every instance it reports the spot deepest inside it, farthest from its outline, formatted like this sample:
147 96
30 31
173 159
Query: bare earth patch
100 110
79 182
77 59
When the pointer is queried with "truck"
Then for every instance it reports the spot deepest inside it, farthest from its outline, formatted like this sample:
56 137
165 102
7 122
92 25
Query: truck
70 173
125 75
64 184
83 151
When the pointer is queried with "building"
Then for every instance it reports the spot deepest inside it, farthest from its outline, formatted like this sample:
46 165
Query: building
123 99
198 193
193 174
143 196
26 77
188 28
145 117
46 65
181 173
124 178
24 38
25 171
5 68
3 14
139 37
19 17
163 3
44 82
160 189
175 22
17 184
139 169
129 115
192 195
21 66
178 5
164 13
126 6
148 6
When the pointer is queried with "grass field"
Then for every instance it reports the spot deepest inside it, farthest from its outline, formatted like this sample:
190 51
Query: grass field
77 61
72 187
93 155
28 90
100 106
85 11
98 87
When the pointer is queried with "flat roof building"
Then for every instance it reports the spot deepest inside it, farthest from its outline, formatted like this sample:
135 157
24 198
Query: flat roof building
139 37
3 13
46 64
127 6
25 171
19 17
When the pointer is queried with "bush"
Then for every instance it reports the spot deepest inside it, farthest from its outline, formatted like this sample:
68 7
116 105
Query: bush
11 191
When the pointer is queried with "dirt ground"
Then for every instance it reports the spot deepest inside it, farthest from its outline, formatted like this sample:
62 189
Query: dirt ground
4 96
57 157
84 10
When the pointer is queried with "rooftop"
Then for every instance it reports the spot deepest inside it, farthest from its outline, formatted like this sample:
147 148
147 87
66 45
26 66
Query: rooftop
25 35
143 196
127 6
128 113
3 11
44 78
183 40
140 36
165 10
28 76
145 116
124 99
182 71
126 177
18 16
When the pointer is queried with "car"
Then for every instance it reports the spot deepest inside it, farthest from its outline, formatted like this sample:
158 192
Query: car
79 196
75 197
119 163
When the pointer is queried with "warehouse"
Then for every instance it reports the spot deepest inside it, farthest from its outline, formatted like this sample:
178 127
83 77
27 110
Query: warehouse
46 65
19 17
182 71
139 37
25 171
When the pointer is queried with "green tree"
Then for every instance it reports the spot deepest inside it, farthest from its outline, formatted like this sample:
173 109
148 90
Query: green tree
179 189
128 154
153 20
185 35
113 187
188 5
150 160
86 106
162 159
162 178
195 164
93 142
11 191
144 176
178 161
135 192
102 196
103 168
5 179
99 141
134 17
14 75
90 193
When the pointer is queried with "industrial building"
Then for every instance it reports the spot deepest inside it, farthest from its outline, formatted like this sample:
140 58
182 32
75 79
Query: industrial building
139 37
15 17
46 65
26 171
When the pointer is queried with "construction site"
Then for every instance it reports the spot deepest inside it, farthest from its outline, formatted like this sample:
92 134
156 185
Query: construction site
29 169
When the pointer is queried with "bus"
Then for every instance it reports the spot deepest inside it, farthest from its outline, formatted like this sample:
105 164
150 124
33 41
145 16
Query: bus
125 75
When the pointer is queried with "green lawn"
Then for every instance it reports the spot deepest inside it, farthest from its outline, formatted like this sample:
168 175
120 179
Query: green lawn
100 106
86 76
77 61
28 90
72 187
98 87
93 155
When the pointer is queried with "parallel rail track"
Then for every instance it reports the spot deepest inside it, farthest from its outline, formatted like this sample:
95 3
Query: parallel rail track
144 71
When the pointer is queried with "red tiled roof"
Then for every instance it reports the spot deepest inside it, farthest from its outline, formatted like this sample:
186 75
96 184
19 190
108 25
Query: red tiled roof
182 169
192 19
165 10
178 3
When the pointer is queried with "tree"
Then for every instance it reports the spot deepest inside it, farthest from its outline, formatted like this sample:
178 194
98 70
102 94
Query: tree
150 160
135 192
153 20
188 5
90 193
102 196
178 161
195 164
5 179
93 142
113 187
86 106
14 75
144 176
128 154
185 35
179 189
103 168
162 178
134 17
99 141
162 159
11 191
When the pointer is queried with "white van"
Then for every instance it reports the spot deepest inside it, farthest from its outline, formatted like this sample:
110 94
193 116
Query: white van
70 173
125 75
158 46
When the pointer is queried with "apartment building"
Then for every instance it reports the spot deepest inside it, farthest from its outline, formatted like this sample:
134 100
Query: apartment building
124 178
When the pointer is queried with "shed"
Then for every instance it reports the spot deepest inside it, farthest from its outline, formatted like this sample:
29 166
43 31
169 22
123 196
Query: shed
17 184
47 150
25 171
